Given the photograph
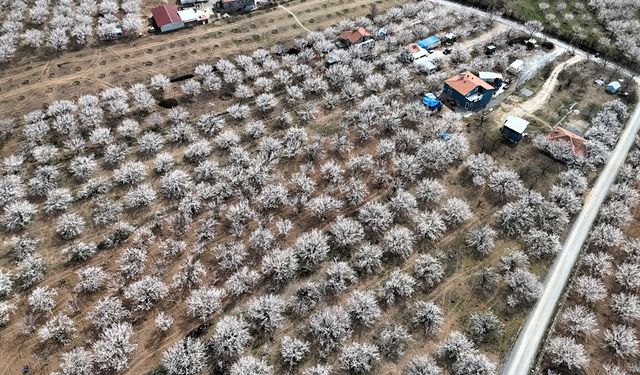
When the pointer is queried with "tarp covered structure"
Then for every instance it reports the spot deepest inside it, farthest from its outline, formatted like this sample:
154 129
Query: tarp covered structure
431 101
430 42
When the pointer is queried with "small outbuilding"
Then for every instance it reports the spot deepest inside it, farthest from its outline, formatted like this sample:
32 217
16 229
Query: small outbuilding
490 49
468 91
166 18
355 37
515 67
188 15
513 129
416 51
492 78
575 141
425 65
429 43
613 87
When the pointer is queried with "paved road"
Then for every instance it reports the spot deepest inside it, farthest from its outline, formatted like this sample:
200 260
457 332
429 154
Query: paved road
524 352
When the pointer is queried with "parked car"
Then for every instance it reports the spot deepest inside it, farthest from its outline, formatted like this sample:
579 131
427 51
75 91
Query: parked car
446 51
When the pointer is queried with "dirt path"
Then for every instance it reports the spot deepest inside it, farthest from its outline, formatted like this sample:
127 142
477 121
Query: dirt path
294 17
26 86
529 107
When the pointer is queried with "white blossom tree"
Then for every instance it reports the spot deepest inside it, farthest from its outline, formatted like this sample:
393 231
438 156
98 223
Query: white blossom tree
114 347
186 357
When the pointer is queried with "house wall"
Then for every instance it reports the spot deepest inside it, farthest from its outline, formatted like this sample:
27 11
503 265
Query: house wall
510 134
456 96
486 98
172 26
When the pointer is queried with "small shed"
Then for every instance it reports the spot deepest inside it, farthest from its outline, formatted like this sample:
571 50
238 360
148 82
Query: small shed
188 15
431 101
429 43
490 49
613 87
514 128
166 17
515 67
493 78
425 65
416 51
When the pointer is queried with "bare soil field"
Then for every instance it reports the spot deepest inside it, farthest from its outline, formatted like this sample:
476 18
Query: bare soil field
27 85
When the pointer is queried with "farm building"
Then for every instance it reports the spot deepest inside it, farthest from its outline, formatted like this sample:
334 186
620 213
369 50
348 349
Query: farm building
354 37
166 18
468 91
416 51
237 5
425 65
513 129
188 15
430 42
577 142
613 87
515 67
491 78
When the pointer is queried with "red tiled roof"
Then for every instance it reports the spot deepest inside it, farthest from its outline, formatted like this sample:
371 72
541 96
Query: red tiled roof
465 82
354 35
576 141
165 14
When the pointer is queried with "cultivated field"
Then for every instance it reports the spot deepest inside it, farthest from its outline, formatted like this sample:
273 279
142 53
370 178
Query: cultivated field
34 81
223 200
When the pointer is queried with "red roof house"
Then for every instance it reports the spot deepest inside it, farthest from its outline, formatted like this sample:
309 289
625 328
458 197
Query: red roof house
166 17
576 141
468 90
466 82
352 37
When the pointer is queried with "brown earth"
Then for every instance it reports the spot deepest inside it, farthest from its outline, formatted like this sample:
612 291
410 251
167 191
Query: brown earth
26 85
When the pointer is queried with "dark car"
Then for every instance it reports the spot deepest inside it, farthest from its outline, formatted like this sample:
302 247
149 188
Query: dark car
446 51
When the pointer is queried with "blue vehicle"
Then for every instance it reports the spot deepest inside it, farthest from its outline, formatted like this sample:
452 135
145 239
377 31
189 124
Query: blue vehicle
432 102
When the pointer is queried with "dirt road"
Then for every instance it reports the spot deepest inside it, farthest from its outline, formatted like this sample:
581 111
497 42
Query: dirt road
530 106
26 86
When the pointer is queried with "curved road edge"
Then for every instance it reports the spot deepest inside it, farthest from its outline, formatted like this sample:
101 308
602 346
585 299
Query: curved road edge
523 355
